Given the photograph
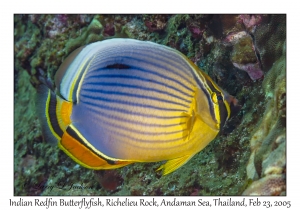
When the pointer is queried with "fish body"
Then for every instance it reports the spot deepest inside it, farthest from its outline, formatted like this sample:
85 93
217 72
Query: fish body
122 101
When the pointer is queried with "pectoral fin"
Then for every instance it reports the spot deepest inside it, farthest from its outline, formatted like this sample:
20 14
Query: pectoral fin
172 165
190 119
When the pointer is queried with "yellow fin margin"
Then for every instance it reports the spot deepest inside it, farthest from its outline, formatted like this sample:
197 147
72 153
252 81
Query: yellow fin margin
85 157
172 165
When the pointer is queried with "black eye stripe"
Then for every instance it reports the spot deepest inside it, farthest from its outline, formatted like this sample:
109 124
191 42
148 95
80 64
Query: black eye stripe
222 107
223 113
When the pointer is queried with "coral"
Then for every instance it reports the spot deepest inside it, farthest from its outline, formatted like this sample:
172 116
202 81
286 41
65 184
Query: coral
95 27
109 180
270 185
109 30
234 37
57 25
61 35
268 141
243 51
29 166
196 31
252 69
243 57
230 24
155 23
250 21
275 162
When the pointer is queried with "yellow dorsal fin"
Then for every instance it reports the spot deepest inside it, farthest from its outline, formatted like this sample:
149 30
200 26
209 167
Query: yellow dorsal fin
172 165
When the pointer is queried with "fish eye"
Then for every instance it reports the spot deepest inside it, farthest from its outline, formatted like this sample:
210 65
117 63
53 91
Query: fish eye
220 98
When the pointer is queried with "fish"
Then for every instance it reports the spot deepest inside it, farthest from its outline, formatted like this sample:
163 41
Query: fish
122 101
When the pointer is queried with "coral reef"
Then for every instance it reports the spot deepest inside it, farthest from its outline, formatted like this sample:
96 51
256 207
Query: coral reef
244 54
269 185
268 143
155 23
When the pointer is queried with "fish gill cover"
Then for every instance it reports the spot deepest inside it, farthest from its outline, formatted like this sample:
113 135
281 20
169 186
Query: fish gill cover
243 54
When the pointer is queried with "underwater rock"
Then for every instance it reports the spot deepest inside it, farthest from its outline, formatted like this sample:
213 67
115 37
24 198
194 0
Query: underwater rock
251 171
253 69
268 141
156 23
57 25
269 38
110 180
196 31
269 185
197 25
234 37
243 52
243 56
275 163
95 27
109 30
250 21
29 162
155 26
230 24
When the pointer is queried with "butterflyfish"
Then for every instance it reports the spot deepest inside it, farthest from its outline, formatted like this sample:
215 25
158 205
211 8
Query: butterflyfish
122 101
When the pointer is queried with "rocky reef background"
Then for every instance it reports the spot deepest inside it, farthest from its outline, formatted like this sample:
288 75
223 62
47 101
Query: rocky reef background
244 54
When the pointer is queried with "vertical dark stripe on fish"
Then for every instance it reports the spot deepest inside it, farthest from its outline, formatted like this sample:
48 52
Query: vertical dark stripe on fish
52 115
205 91
223 110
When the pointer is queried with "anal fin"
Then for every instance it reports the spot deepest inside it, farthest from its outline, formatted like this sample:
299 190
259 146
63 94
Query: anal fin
72 144
172 165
